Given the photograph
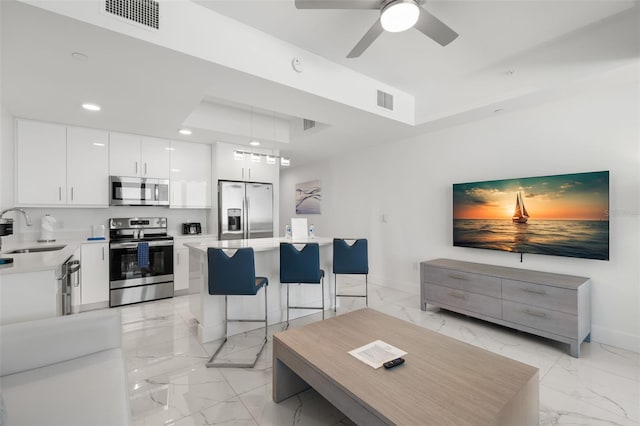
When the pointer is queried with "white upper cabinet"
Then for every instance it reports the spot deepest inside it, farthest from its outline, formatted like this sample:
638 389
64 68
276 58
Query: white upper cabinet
142 156
124 154
58 165
190 184
87 167
230 166
154 157
41 153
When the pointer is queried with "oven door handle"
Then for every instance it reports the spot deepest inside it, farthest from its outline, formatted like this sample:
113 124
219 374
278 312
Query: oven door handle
135 245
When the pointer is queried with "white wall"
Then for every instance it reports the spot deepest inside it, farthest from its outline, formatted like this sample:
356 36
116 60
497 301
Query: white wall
410 182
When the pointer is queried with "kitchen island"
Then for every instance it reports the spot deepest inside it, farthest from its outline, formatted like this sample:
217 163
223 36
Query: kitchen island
209 310
29 287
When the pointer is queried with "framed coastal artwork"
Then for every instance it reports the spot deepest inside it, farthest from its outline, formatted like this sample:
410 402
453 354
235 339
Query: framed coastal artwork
559 215
308 197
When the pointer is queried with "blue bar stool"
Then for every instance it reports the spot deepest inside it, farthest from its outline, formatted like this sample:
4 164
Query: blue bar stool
301 267
235 276
350 259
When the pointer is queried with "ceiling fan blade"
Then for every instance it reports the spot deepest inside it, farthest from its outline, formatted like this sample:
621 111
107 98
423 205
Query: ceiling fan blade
371 35
435 28
338 4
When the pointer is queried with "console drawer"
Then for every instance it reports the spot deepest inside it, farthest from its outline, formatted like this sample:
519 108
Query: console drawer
540 318
476 283
468 301
558 299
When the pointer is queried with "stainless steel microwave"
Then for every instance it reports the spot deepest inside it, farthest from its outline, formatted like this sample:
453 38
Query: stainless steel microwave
135 191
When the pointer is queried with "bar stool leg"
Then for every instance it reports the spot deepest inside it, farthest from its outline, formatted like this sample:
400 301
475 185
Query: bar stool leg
366 290
323 298
287 306
335 293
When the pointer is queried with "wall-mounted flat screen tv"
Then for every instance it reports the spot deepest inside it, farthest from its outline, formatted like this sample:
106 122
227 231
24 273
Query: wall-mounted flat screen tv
560 215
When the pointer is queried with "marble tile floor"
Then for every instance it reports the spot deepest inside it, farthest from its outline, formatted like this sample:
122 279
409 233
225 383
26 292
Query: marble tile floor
170 385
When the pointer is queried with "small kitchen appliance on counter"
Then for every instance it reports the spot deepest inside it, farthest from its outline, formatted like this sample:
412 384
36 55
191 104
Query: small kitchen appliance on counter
140 260
191 228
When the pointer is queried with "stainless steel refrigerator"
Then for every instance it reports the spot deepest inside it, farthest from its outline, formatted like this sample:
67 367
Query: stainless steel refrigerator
245 210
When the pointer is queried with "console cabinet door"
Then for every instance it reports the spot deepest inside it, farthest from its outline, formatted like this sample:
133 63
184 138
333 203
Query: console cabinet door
94 273
87 167
41 166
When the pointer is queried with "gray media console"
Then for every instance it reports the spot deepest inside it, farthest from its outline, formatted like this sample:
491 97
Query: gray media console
554 306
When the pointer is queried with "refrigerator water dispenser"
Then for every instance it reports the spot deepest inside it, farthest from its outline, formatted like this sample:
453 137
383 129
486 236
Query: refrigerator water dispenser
233 217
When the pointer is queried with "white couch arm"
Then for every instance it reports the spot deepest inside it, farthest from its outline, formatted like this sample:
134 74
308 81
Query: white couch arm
34 344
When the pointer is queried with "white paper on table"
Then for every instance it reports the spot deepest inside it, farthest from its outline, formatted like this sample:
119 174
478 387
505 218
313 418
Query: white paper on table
377 353
299 229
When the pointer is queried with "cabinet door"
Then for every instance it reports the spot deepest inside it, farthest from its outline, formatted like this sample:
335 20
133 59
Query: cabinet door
259 171
41 154
124 155
190 175
94 273
229 167
181 268
154 157
87 167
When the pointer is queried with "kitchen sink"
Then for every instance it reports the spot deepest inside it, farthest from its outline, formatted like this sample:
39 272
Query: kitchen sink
36 249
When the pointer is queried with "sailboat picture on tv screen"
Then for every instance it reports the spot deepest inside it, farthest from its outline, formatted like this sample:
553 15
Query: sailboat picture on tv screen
560 215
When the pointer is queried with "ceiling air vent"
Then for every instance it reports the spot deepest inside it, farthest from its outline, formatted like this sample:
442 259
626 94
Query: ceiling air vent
144 12
385 100
308 124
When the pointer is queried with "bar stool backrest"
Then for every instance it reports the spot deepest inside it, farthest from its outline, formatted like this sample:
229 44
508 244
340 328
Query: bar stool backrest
350 259
235 275
300 266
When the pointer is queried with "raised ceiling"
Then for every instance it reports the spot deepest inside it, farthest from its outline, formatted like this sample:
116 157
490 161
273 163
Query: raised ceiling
509 55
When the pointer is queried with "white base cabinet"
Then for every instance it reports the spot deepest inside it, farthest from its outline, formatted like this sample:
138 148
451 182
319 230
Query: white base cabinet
181 269
94 275
554 306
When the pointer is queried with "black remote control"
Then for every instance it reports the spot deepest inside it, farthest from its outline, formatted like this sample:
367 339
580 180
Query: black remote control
393 363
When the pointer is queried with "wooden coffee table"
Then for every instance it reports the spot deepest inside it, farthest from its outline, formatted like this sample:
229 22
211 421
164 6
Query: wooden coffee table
443 381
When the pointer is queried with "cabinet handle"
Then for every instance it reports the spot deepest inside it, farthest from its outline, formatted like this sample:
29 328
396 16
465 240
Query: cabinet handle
60 193
458 277
249 174
535 313
102 253
72 193
178 255
136 167
530 290
243 173
457 295
145 168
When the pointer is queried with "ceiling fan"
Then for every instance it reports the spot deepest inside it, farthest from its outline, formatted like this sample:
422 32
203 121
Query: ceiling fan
395 16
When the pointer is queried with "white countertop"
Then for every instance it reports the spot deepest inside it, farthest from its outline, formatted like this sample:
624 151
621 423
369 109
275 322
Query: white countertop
258 244
38 261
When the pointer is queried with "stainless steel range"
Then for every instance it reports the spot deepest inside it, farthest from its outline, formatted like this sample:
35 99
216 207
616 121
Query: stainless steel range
140 260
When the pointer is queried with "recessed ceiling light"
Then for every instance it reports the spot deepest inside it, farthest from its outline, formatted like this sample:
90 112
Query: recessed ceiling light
254 143
184 131
91 107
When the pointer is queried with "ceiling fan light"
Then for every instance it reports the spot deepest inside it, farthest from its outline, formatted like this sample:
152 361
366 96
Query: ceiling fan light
399 15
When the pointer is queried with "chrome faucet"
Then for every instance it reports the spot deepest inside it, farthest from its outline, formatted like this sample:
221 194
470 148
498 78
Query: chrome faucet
26 216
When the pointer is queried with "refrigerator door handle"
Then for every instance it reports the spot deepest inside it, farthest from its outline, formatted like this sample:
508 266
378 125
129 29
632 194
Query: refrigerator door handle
246 213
